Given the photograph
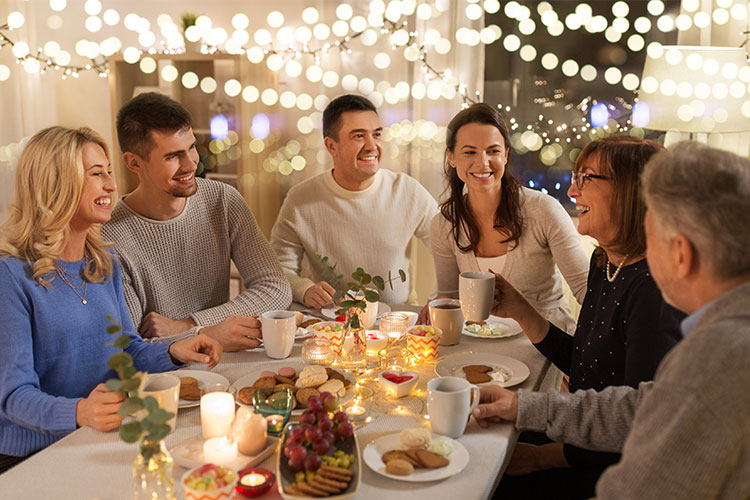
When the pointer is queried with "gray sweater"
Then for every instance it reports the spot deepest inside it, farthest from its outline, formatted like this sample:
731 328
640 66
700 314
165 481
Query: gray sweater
180 267
684 435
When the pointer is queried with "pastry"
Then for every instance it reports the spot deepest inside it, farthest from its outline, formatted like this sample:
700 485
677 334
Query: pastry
246 395
304 394
309 322
298 318
264 382
399 467
333 374
189 390
333 386
288 372
311 376
415 437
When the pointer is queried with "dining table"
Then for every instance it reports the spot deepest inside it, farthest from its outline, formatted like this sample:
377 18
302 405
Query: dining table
89 464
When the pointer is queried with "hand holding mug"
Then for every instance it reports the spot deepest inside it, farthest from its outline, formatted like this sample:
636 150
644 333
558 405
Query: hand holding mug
496 404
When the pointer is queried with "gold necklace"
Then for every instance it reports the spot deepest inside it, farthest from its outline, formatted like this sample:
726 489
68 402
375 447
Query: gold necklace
617 271
62 272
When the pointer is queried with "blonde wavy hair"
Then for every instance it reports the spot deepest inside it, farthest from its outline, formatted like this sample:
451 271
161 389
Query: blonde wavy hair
49 181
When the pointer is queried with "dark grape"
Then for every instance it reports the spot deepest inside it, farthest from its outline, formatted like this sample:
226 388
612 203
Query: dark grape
297 453
345 430
340 416
296 466
329 436
323 446
330 402
312 462
325 423
298 434
307 417
313 434
314 404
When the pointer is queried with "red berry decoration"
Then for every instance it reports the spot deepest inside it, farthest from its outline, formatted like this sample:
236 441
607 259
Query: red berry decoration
341 318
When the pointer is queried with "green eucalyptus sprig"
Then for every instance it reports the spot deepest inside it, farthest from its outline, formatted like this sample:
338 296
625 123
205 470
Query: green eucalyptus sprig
188 20
364 288
153 427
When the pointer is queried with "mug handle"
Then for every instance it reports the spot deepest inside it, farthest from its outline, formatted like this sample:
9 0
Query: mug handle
474 398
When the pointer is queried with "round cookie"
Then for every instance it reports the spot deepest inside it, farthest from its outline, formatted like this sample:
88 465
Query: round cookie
288 372
246 395
267 374
264 382
399 467
304 394
311 376
333 386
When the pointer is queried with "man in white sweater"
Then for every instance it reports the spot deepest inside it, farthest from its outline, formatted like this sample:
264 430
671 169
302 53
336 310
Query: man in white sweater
175 236
357 214
686 434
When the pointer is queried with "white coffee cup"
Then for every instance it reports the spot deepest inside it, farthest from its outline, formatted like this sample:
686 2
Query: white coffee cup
165 389
278 328
368 318
476 291
450 401
446 314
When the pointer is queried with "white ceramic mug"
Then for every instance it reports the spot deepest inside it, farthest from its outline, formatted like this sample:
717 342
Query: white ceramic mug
476 291
446 314
165 389
368 318
278 328
450 401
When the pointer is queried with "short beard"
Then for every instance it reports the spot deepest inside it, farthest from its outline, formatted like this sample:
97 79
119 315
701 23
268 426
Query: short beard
184 192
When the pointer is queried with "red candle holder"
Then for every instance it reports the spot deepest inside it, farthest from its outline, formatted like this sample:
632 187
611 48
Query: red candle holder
254 481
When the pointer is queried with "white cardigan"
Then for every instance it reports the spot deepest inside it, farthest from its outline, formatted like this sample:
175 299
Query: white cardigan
548 237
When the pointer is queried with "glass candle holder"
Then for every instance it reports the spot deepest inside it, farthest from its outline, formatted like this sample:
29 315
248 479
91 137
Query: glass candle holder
275 406
395 357
394 324
358 408
254 481
318 351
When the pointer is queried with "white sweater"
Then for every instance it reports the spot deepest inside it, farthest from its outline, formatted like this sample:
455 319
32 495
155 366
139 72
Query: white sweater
371 229
548 241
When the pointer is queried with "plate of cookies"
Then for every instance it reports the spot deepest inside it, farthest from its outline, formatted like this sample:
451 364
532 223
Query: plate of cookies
483 369
493 328
304 381
191 382
416 455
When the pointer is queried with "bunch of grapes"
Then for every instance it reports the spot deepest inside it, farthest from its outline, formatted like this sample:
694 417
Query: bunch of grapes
316 433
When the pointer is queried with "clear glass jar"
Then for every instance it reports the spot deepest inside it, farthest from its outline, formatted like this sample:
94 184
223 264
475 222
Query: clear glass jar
354 353
152 477
394 325
318 351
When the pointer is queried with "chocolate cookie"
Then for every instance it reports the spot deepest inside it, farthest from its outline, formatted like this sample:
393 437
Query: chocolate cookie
189 390
475 377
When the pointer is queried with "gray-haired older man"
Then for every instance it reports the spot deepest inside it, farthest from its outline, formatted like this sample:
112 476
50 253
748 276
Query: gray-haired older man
687 433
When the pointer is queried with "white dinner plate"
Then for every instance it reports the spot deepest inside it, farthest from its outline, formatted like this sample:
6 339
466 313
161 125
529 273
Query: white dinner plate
511 325
330 312
189 454
252 376
373 452
203 377
452 367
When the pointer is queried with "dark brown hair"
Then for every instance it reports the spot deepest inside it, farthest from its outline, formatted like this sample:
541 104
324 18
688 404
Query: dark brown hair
340 105
455 208
144 113
622 158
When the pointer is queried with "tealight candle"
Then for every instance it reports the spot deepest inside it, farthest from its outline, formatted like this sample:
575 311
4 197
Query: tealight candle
355 412
275 422
253 479
217 414
317 351
219 450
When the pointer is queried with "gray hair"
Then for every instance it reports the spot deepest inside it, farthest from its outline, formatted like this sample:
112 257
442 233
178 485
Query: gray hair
703 193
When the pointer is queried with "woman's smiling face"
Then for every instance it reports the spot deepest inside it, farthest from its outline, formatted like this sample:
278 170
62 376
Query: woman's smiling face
479 156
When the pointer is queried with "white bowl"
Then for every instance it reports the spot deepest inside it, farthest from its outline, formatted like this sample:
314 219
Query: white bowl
376 340
394 390
411 316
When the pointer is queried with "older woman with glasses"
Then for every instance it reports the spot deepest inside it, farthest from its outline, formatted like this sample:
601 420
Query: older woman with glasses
624 329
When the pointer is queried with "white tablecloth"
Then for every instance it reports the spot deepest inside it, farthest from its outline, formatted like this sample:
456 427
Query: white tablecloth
89 464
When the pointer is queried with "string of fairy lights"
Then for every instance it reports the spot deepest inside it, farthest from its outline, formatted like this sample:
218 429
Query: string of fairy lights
301 49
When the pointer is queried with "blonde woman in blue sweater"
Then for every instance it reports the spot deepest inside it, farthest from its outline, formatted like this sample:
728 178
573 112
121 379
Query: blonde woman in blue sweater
58 284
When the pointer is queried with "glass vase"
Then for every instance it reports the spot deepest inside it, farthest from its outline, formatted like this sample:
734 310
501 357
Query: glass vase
152 477
354 353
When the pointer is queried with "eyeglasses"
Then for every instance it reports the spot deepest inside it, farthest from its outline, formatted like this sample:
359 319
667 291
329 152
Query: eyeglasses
579 178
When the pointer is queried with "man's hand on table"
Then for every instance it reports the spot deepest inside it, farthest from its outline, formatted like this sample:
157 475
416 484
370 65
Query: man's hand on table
99 409
235 333
156 325
319 295
198 349
495 405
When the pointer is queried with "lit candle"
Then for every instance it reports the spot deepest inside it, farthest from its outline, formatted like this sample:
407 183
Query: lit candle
275 423
219 450
355 411
252 436
217 414
253 479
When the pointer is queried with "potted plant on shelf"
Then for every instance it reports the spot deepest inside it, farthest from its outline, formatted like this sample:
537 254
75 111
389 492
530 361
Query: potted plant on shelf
352 302
152 468
188 20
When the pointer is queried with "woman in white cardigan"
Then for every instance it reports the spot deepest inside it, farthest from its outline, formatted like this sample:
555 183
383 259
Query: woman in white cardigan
490 222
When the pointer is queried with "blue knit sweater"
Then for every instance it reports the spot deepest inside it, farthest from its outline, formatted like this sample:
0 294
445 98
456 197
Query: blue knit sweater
53 352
